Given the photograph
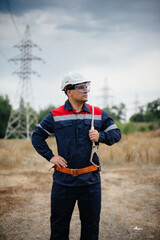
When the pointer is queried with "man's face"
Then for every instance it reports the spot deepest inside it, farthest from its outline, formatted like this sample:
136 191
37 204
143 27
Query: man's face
80 93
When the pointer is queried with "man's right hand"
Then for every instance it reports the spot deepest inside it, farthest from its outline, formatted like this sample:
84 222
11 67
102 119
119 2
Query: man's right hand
58 161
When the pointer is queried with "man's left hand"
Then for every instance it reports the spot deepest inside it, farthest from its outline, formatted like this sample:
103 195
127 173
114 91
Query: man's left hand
93 135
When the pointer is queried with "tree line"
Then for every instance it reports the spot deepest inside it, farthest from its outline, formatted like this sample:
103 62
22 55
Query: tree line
146 114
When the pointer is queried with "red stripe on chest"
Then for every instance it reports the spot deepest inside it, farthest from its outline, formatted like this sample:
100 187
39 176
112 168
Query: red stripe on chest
61 111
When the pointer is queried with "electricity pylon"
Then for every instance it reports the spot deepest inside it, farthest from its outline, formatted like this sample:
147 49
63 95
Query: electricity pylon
23 118
106 95
136 103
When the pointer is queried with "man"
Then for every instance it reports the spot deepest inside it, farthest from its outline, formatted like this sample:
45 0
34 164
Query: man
75 178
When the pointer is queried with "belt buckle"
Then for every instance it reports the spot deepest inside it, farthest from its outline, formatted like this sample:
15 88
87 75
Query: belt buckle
74 172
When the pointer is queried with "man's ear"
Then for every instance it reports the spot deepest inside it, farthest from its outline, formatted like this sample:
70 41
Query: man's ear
68 92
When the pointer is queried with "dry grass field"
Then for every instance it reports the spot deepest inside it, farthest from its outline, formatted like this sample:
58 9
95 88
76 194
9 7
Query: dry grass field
130 190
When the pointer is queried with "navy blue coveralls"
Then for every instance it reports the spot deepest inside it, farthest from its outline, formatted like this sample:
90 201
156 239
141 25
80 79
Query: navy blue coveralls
71 130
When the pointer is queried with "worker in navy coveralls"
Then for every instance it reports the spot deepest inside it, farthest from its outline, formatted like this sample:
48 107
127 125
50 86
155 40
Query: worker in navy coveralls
75 178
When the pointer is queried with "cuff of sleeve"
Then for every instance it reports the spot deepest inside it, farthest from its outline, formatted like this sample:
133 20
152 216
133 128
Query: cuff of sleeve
102 137
49 156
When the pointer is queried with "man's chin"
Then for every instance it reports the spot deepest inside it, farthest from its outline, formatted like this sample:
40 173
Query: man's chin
85 99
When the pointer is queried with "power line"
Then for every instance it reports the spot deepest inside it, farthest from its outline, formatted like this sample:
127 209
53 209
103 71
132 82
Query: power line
7 4
5 58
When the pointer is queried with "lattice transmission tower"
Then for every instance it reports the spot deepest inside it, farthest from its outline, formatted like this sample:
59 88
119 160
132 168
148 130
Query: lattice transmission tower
23 118
136 103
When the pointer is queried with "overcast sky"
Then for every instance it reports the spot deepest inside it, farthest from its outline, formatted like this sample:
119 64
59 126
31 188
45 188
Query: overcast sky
114 43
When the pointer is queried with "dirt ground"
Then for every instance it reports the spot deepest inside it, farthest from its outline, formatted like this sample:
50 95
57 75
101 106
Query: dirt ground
130 204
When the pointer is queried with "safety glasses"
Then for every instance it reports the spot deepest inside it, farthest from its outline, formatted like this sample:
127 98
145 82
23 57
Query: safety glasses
83 88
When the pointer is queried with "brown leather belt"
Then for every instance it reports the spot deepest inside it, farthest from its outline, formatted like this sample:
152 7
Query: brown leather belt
76 172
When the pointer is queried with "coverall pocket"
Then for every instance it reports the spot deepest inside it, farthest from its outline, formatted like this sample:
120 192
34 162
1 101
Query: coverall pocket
97 124
63 129
62 124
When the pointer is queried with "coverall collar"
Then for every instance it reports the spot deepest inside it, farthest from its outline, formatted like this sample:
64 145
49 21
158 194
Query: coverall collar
68 106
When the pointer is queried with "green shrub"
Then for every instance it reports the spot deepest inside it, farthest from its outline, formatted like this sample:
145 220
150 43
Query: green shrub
151 127
128 128
142 128
125 127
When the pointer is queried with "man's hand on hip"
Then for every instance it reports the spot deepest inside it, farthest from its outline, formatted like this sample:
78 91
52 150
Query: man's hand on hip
58 161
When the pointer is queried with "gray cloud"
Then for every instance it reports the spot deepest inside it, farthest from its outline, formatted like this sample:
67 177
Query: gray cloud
19 7
142 13
98 8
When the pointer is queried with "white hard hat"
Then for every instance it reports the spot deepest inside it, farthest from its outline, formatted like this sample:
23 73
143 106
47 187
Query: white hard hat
72 78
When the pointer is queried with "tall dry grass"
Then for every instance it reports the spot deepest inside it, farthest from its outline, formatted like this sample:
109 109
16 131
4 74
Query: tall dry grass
16 153
138 148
